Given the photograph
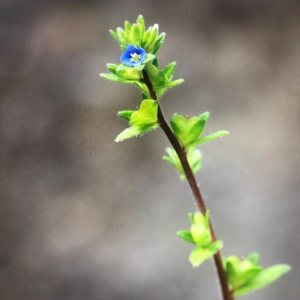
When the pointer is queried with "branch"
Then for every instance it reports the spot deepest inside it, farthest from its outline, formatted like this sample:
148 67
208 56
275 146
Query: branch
227 295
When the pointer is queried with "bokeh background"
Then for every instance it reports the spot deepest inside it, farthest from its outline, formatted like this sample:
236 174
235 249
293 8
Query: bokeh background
82 217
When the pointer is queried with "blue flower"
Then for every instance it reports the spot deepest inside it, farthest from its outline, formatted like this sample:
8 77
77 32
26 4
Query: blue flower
133 56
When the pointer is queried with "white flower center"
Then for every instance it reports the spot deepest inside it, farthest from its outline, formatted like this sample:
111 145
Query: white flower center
135 57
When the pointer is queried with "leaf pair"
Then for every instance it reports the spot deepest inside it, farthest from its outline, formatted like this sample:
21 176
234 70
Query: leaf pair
162 79
136 35
246 276
141 121
194 158
200 235
188 131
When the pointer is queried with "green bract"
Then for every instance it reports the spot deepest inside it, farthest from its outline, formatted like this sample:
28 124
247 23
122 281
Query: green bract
141 121
245 276
188 131
200 235
136 35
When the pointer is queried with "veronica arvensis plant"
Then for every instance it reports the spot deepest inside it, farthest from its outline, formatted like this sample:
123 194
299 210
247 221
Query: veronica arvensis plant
140 67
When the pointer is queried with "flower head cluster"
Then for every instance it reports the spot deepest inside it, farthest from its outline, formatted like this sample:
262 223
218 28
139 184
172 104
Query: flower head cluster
133 56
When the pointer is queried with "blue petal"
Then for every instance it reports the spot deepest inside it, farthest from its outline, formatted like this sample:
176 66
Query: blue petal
125 59
143 54
131 49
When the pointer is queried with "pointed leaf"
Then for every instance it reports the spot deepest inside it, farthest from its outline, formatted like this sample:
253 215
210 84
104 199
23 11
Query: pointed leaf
151 38
254 258
186 235
171 84
200 254
135 35
264 278
127 28
134 131
156 76
126 114
141 23
116 78
148 58
169 69
209 138
115 36
147 113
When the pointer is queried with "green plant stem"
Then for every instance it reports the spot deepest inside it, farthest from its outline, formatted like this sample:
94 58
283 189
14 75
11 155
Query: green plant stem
227 295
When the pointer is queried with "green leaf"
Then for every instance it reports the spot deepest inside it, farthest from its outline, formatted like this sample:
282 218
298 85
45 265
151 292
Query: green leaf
200 230
171 84
194 158
143 87
169 69
253 258
173 159
191 216
158 43
135 35
209 138
186 235
264 278
151 38
156 62
128 72
146 115
134 131
127 28
126 114
148 58
115 36
141 23
156 76
121 33
200 254
146 37
112 68
188 130
116 78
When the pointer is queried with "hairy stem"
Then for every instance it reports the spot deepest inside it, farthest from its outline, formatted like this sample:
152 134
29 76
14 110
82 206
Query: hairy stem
227 295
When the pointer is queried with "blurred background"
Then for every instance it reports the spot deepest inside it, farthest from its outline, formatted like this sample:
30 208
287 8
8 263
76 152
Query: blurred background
82 217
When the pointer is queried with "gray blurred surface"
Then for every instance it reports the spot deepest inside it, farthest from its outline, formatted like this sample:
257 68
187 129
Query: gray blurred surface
84 218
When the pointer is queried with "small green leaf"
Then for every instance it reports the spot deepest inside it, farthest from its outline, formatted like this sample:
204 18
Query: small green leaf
135 35
146 115
169 69
134 131
143 87
148 58
126 114
173 159
191 216
121 33
186 235
116 78
151 38
187 130
171 84
264 278
254 258
156 76
115 36
141 23
146 36
157 43
200 254
209 138
128 72
112 68
156 62
127 28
